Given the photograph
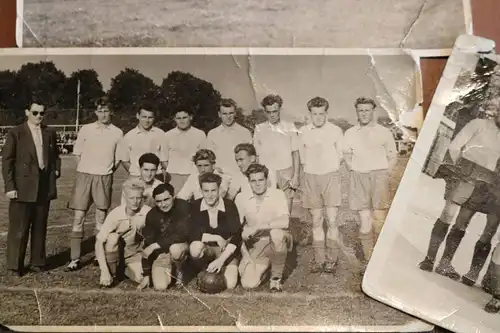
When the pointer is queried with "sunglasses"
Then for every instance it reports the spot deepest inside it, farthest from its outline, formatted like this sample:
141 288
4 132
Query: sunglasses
36 113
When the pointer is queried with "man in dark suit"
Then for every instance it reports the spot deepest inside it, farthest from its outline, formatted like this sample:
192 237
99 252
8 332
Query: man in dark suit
30 167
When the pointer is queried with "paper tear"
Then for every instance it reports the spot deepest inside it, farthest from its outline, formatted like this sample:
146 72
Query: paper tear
39 307
25 23
408 33
238 321
191 294
252 79
161 323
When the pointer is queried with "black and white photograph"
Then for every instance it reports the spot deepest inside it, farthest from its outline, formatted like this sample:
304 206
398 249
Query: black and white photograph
439 254
221 189
412 24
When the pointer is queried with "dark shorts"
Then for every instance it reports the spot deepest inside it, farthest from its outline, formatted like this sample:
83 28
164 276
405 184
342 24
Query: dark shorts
485 198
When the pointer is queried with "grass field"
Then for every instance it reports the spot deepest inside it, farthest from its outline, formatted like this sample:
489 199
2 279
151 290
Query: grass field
58 298
277 23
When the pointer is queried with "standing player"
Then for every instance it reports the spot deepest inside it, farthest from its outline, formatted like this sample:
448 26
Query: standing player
165 239
148 168
370 154
215 231
474 154
245 155
30 167
122 229
95 150
145 138
321 152
182 143
204 160
277 146
265 216
222 139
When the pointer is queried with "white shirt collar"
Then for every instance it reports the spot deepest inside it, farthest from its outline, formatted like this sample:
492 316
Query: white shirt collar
220 206
34 127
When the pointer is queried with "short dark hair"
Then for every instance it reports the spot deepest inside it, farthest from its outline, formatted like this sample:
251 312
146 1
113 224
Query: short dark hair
146 105
272 99
318 102
210 177
257 168
189 112
228 103
149 158
162 188
204 154
365 100
102 101
248 147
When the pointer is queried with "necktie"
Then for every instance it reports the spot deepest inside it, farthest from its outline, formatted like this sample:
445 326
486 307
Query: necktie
39 147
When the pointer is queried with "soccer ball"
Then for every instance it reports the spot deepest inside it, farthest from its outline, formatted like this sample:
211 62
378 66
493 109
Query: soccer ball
211 283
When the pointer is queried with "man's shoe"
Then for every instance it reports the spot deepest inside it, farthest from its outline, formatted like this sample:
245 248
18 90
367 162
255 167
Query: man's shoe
330 267
317 267
74 265
493 306
426 265
468 281
179 279
275 285
15 272
448 271
36 269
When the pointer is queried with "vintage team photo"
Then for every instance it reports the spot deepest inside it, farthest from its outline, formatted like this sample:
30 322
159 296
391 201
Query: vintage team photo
445 233
183 189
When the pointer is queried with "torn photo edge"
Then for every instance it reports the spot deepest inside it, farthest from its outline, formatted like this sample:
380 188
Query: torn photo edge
466 49
412 326
21 25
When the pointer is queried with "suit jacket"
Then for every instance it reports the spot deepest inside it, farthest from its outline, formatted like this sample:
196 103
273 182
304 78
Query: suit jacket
20 168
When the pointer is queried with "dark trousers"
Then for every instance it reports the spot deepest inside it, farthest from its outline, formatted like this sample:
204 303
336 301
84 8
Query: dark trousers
26 217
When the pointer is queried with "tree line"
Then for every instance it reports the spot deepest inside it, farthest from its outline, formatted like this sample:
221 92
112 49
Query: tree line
129 88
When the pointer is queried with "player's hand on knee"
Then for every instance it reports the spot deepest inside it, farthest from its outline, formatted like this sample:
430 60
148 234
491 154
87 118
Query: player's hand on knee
215 266
106 279
248 232
222 243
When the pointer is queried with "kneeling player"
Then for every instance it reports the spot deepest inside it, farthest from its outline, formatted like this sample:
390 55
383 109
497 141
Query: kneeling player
121 231
265 215
215 231
165 239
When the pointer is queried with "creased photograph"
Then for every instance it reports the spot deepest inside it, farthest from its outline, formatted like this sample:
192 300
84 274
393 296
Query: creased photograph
412 24
233 190
438 257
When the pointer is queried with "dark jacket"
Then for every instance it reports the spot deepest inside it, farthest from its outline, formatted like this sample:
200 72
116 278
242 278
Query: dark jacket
20 164
228 226
167 228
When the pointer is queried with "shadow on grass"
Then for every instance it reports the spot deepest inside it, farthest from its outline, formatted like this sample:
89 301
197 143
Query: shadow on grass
62 258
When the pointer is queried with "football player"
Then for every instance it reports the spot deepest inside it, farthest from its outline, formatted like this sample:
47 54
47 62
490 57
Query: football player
265 216
215 230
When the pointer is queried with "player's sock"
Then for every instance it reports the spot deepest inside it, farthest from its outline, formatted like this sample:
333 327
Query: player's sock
439 231
112 259
319 251
76 244
332 250
278 260
366 241
495 279
481 252
452 242
486 284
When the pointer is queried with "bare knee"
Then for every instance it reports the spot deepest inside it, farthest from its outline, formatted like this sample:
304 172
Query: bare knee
161 279
111 244
250 279
278 238
178 251
231 276
78 221
196 249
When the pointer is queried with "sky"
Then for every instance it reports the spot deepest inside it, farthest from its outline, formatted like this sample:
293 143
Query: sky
247 79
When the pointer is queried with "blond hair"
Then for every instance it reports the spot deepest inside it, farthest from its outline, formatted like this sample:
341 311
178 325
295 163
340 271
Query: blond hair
133 184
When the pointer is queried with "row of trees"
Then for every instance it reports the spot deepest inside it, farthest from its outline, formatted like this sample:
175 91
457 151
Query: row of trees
48 84
58 92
